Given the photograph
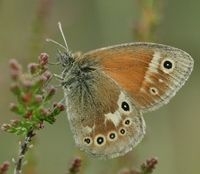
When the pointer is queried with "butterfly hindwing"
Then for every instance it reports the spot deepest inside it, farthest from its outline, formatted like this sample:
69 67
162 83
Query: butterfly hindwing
103 118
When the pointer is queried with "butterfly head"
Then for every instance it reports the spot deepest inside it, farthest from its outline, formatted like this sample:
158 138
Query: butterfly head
77 72
66 59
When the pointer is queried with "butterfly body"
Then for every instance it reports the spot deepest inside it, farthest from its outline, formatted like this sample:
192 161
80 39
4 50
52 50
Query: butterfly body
108 89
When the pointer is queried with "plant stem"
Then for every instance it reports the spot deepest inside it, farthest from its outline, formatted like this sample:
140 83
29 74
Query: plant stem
22 151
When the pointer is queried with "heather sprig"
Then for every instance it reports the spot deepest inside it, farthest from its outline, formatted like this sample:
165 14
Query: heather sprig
33 96
75 166
33 103
146 168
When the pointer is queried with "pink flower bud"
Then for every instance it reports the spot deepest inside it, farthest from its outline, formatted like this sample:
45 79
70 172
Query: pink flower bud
33 67
5 127
16 69
43 59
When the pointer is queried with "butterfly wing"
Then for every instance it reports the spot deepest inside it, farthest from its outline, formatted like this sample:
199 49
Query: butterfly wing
150 73
103 118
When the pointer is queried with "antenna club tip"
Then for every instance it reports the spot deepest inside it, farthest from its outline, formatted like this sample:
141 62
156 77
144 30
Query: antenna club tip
59 23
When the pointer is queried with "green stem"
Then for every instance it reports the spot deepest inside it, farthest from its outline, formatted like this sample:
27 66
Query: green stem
23 149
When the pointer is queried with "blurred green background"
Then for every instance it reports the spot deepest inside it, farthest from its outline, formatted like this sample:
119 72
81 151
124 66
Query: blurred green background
173 132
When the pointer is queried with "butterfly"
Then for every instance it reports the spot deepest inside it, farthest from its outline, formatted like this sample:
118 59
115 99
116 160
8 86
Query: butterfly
107 90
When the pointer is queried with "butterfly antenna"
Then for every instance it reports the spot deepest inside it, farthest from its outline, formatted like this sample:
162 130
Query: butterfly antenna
55 42
63 36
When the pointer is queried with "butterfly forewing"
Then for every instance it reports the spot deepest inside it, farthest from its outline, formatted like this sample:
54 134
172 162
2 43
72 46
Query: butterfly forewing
150 73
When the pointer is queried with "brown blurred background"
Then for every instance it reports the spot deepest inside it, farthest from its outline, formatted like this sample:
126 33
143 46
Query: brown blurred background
173 132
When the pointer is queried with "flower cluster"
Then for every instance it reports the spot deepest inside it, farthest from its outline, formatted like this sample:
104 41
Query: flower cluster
33 95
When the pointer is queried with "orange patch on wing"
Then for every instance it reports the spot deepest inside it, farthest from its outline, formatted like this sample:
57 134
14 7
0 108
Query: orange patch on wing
127 68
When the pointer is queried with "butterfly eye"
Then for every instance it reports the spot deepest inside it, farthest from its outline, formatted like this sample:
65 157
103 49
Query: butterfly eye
87 69
125 106
167 65
127 122
122 131
87 140
100 140
112 136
